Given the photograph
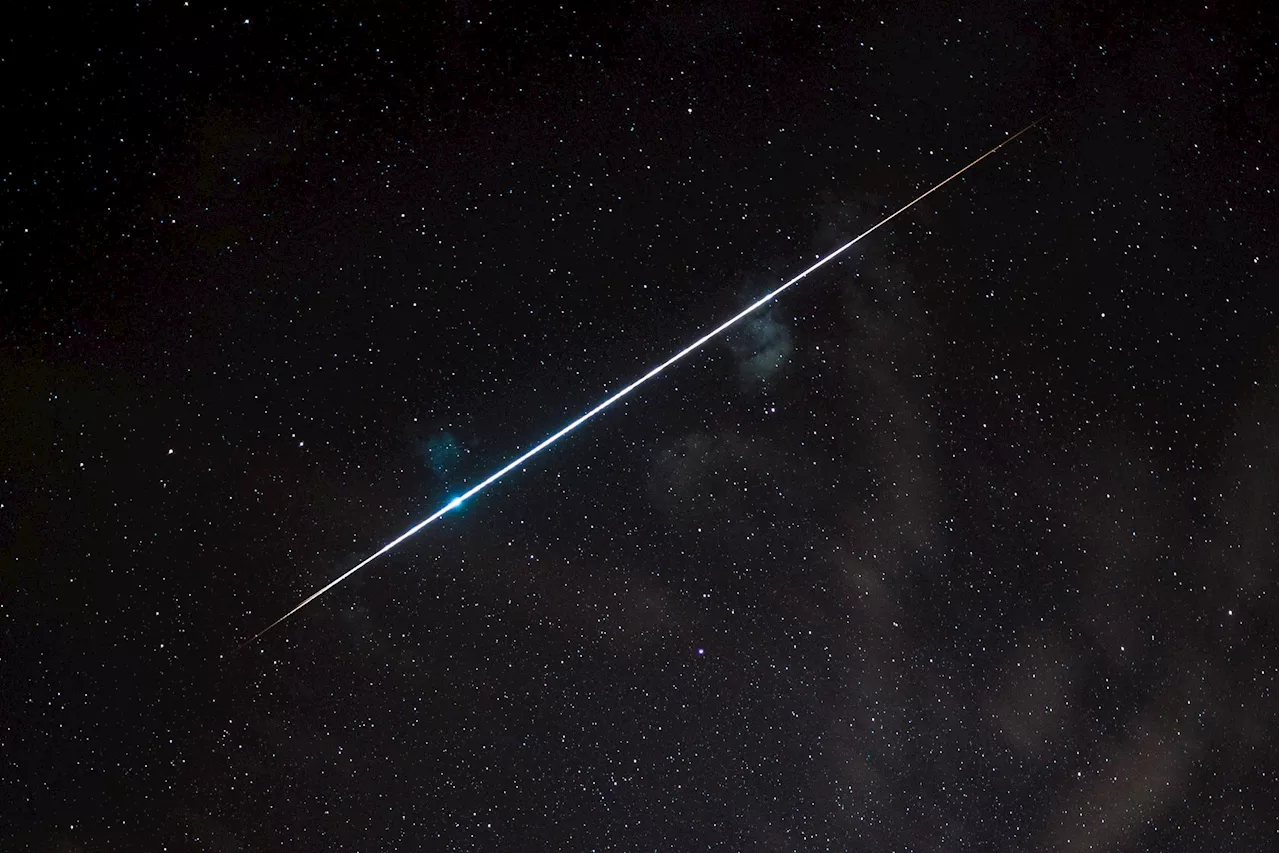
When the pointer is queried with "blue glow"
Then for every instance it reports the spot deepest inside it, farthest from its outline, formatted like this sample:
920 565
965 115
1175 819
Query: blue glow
454 504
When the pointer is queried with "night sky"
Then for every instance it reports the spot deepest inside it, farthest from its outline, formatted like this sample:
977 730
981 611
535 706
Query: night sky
967 542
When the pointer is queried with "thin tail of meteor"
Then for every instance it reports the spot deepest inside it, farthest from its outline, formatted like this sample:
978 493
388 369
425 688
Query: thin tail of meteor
618 395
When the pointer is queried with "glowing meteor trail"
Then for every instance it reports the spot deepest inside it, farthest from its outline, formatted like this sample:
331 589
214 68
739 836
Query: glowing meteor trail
618 395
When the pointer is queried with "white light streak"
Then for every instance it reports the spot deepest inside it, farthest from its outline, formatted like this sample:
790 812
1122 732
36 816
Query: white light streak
620 394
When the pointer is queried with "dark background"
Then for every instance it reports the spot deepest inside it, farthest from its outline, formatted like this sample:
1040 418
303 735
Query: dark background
968 543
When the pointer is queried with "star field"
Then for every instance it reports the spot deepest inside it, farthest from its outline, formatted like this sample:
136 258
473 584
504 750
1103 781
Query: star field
968 542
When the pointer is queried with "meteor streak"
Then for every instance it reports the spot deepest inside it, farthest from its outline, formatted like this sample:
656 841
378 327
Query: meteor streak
457 501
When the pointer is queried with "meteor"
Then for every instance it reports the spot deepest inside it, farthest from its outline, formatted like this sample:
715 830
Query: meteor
459 500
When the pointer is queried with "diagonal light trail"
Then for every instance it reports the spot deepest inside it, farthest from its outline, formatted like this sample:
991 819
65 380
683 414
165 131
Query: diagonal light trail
618 395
